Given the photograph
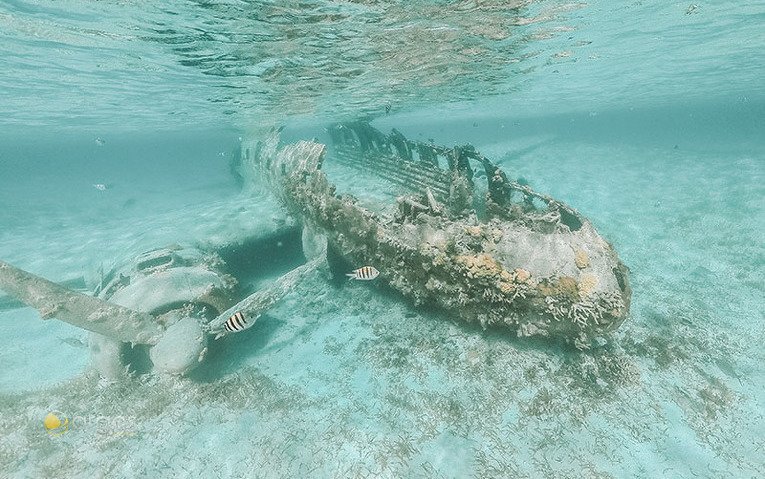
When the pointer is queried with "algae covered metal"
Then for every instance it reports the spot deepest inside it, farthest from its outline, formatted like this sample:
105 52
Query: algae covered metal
155 312
456 233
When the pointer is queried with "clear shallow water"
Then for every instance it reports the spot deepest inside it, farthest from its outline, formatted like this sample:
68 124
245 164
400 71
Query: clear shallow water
646 117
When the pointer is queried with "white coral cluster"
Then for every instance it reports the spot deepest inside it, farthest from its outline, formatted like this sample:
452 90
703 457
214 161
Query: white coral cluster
585 312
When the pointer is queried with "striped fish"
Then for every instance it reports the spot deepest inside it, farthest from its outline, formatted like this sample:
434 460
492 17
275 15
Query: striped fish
235 323
365 273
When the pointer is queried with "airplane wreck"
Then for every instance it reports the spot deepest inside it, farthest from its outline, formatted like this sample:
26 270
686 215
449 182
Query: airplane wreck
445 227
454 233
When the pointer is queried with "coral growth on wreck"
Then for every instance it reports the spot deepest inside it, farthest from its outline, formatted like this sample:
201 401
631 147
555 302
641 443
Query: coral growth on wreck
509 264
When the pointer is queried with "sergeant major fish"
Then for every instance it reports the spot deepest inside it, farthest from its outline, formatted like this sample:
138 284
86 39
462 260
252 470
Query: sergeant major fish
365 273
235 323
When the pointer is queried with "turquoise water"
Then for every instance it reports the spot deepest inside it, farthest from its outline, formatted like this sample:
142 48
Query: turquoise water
647 117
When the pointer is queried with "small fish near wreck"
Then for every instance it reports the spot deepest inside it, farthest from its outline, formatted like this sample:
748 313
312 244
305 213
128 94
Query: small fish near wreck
236 323
365 273
494 252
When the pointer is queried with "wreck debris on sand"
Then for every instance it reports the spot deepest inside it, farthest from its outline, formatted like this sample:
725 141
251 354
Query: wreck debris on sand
497 254
157 309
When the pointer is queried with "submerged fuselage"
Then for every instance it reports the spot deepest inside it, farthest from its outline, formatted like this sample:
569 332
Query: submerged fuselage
502 255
